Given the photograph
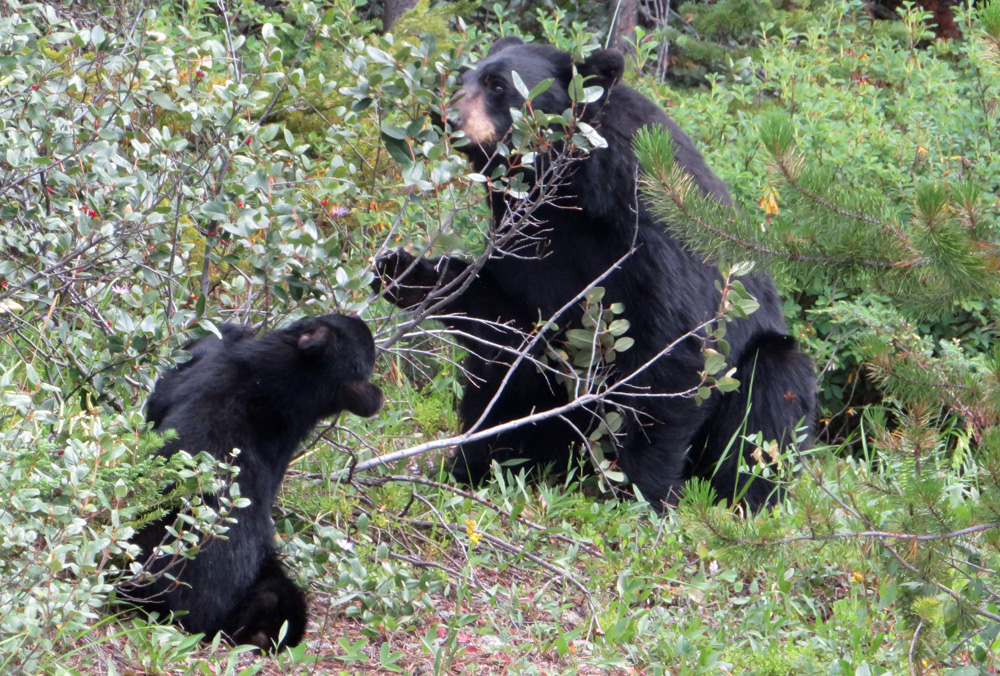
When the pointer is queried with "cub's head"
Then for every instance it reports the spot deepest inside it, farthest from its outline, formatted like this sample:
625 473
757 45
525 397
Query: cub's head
488 91
340 349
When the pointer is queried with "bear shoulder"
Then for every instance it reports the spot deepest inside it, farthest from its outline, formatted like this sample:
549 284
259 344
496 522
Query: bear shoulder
624 112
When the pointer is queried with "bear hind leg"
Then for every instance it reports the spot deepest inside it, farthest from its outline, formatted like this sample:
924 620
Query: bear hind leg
272 600
777 395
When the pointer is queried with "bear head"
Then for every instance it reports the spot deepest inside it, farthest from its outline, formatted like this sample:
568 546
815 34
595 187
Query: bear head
340 349
488 93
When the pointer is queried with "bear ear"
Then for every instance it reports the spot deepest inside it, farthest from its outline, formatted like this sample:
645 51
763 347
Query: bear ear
604 68
314 342
504 43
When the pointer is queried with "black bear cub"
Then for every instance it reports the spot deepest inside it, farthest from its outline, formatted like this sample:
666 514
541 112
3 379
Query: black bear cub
263 396
594 218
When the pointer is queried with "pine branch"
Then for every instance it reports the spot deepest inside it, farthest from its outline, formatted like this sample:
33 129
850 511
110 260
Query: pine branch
677 189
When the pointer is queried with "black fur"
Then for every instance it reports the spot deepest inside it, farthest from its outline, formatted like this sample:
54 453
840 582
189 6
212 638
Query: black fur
666 289
262 395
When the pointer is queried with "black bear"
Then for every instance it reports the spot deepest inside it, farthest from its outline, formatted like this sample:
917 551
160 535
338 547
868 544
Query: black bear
263 396
593 218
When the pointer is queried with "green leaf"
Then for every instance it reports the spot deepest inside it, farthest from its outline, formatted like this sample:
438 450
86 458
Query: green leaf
162 100
540 88
591 94
580 338
216 210
618 327
268 132
624 343
576 89
727 384
519 85
393 132
714 361
388 657
399 150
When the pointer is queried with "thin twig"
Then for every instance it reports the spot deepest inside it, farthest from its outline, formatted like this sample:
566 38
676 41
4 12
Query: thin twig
483 501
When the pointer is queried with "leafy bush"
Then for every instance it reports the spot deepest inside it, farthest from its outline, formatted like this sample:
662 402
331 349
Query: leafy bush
143 200
881 211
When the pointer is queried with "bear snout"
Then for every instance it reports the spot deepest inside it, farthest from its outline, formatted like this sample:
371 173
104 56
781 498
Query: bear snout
471 116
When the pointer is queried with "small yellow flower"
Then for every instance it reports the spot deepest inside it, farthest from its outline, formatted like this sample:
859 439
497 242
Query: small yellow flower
769 202
470 529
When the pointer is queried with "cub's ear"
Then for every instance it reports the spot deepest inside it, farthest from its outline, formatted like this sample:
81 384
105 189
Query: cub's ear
603 68
504 43
314 342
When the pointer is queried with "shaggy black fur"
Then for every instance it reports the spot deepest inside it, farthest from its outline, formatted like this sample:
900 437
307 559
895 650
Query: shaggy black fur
262 395
597 217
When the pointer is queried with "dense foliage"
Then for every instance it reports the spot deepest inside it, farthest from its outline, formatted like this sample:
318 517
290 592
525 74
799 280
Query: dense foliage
172 166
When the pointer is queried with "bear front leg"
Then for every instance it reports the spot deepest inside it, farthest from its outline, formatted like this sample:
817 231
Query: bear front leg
406 281
657 470
654 452
471 463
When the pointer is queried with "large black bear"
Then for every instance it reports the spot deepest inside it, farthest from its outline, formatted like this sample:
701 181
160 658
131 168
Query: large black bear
596 217
262 395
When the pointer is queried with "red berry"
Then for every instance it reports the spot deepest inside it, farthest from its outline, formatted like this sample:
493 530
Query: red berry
239 204
34 86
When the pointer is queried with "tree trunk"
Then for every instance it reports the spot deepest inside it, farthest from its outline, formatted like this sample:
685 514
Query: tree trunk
392 10
625 13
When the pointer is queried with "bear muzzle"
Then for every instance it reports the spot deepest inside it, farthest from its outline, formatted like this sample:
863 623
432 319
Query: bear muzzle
470 115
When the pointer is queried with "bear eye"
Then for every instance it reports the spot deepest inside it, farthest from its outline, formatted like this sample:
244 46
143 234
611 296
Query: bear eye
496 86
